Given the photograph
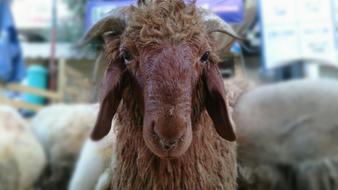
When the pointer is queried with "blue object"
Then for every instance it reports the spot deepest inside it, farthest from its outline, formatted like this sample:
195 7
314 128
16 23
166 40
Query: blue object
37 78
12 67
231 11
236 48
97 9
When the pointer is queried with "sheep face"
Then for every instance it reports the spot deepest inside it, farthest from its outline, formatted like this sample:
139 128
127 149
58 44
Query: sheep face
164 68
170 74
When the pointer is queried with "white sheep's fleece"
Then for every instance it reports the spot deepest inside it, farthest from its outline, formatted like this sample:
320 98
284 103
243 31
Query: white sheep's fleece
62 128
104 181
95 158
236 86
20 152
287 136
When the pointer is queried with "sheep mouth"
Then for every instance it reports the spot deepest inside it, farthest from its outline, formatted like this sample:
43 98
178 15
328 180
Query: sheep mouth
157 147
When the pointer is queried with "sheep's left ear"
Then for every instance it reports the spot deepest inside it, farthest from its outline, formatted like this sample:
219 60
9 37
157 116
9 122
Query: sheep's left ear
216 103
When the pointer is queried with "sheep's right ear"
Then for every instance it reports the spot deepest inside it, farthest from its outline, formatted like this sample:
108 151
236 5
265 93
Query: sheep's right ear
112 89
107 31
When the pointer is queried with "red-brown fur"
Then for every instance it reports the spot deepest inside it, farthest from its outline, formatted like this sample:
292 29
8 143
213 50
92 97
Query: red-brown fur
167 94
209 163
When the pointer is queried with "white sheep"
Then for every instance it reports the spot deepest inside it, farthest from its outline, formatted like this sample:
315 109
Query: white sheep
94 161
22 158
288 135
62 130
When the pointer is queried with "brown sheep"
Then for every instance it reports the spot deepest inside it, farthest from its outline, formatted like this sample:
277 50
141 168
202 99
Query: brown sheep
162 82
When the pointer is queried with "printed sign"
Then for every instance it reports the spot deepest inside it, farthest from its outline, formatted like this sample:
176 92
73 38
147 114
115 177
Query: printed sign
297 30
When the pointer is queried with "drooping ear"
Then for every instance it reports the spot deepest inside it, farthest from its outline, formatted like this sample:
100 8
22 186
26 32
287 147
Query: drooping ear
112 89
107 31
217 104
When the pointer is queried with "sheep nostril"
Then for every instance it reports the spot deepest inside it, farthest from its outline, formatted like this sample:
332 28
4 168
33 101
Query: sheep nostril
154 131
153 125
168 145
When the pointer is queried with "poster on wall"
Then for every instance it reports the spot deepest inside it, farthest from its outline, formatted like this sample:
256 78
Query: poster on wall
298 30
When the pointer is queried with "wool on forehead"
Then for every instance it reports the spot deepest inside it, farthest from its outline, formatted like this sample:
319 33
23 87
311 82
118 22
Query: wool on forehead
171 20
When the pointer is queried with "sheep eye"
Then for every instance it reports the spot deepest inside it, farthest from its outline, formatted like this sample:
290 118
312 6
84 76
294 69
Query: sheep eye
127 56
205 57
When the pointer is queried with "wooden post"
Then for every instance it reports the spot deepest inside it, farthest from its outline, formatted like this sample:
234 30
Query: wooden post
52 60
62 78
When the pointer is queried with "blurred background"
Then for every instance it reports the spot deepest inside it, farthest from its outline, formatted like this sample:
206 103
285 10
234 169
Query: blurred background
43 69
38 45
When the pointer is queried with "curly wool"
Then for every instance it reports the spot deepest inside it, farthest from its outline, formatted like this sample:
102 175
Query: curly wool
170 20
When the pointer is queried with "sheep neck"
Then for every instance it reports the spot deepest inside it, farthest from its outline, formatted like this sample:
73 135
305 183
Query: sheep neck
209 163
